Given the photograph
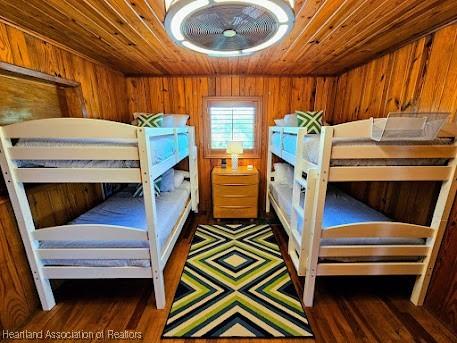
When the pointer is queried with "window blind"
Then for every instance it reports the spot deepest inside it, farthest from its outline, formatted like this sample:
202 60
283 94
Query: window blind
232 124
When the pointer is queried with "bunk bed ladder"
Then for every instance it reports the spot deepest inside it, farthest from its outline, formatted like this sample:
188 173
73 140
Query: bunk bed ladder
193 170
317 215
269 172
297 248
151 216
21 207
439 223
299 184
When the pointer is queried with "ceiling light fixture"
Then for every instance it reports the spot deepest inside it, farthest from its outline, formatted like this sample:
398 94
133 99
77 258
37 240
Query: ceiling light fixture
225 28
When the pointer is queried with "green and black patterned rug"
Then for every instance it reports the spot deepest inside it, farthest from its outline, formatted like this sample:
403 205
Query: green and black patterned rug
236 284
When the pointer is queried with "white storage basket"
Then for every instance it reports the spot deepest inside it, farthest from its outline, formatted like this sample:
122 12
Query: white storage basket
408 126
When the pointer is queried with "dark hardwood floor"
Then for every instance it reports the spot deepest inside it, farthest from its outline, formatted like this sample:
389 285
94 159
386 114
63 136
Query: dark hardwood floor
350 309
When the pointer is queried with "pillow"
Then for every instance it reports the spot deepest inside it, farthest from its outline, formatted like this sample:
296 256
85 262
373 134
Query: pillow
139 189
284 173
180 175
312 121
290 120
175 120
280 122
290 175
167 183
149 120
157 183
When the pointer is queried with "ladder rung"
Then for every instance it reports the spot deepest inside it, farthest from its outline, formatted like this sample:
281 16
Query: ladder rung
309 165
302 182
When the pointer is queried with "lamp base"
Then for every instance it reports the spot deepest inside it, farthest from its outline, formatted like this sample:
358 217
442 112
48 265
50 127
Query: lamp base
234 161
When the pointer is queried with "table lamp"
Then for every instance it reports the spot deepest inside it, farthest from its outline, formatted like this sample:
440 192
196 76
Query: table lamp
235 149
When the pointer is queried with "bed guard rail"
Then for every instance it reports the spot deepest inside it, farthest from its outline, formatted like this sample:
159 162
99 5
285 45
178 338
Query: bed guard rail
92 130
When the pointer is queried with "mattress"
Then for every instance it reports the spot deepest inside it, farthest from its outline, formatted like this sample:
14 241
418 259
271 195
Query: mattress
340 209
162 147
124 210
311 151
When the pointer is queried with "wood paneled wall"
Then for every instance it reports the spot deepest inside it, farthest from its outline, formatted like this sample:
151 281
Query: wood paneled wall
104 93
421 76
22 99
280 95
50 206
18 297
103 88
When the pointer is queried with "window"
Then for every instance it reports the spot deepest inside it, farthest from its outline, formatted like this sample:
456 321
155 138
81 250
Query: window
231 119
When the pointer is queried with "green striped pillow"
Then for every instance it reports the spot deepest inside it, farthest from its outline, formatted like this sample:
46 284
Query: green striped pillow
312 121
150 120
157 186
139 190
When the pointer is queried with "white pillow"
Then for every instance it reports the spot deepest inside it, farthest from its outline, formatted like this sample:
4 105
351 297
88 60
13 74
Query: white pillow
280 122
167 184
180 175
284 173
290 120
175 120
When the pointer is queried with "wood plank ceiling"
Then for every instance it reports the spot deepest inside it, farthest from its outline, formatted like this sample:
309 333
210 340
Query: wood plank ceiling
329 36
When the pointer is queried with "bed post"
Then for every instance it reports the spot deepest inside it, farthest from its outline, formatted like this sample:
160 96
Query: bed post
151 216
25 223
296 192
193 170
269 166
318 210
439 222
307 228
298 174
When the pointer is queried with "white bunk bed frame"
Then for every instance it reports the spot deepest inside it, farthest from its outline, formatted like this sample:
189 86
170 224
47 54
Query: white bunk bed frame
305 250
84 129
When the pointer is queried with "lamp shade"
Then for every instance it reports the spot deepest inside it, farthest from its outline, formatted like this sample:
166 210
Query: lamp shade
235 148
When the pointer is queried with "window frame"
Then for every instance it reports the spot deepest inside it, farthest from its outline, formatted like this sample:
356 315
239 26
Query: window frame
231 101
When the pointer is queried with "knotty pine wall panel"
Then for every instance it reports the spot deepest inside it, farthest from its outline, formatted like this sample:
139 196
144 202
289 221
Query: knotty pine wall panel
51 206
103 89
18 297
280 95
104 93
421 76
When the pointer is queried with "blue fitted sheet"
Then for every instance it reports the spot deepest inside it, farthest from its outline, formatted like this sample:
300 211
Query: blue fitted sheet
124 210
162 147
340 209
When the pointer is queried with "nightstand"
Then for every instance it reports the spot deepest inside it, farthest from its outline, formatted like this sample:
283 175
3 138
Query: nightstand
235 192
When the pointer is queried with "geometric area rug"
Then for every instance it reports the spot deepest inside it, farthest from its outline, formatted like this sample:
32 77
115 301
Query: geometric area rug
236 284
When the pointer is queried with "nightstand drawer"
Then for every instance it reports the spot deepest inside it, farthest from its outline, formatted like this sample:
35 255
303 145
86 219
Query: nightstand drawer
235 200
235 212
234 180
245 191
235 192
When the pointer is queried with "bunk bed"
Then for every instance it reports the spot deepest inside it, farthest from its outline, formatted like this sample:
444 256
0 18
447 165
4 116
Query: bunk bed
331 233
122 237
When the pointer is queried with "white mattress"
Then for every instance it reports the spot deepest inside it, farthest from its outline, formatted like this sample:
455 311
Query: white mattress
124 210
311 151
162 147
340 209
